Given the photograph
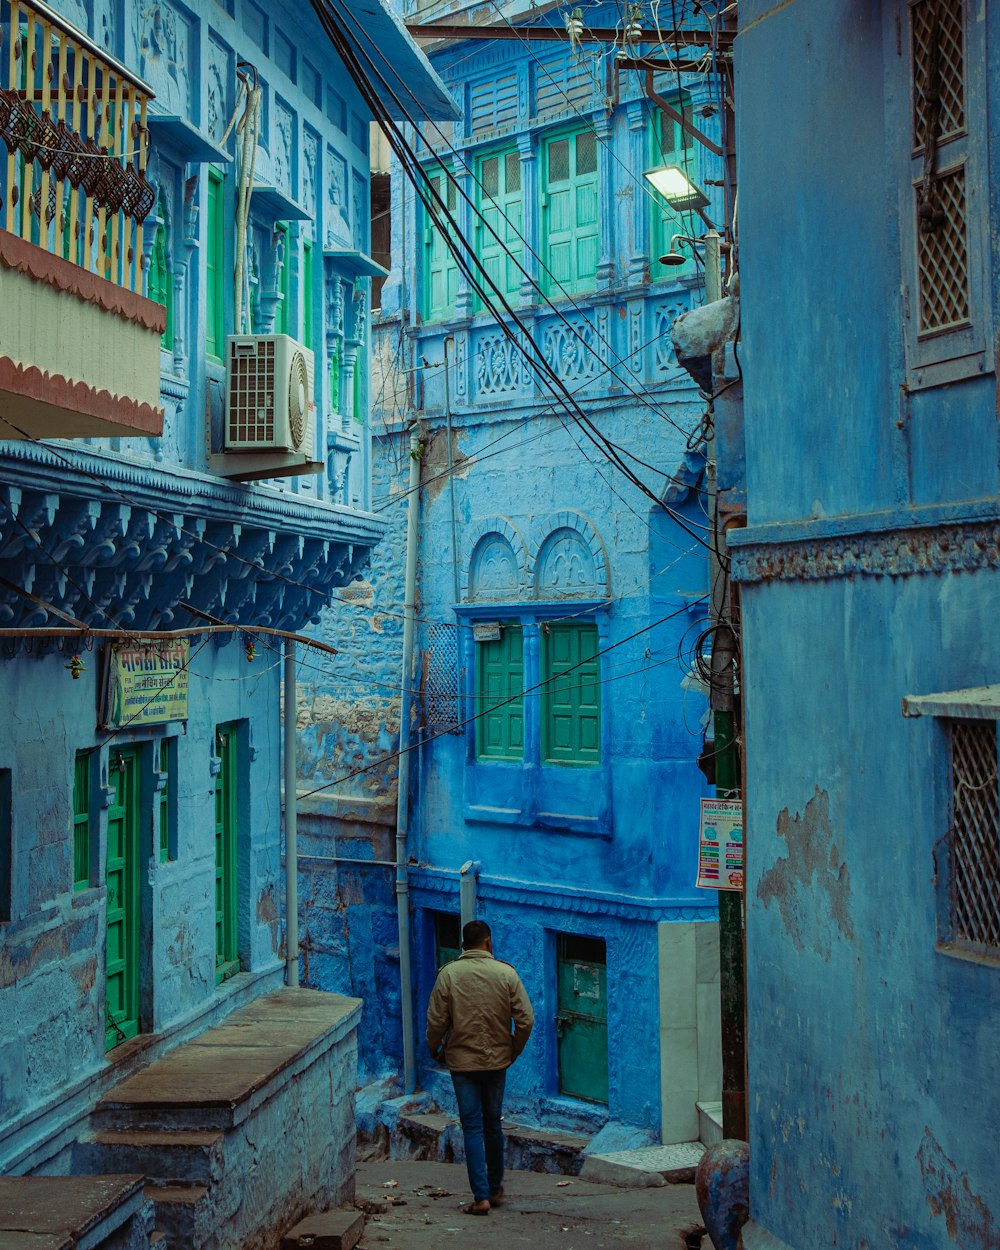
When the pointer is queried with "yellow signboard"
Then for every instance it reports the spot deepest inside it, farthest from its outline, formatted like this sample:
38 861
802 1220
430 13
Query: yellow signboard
147 685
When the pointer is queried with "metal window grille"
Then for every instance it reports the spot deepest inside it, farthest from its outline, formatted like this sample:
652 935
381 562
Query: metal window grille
943 258
441 692
491 176
513 172
586 152
941 39
975 837
559 160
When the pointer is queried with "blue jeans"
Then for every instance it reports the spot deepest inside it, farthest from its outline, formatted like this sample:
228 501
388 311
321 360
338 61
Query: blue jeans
480 1102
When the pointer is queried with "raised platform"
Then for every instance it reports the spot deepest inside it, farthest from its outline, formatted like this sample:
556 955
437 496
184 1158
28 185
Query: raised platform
73 1213
244 1129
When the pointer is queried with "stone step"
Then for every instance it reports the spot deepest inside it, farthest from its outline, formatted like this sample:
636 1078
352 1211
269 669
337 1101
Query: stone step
63 1212
710 1122
647 1166
340 1229
436 1136
165 1157
183 1213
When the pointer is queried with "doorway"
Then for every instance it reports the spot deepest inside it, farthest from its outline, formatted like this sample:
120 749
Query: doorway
121 1007
227 960
582 1017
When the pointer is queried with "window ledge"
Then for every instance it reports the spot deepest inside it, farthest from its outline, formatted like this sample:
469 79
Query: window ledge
972 703
969 954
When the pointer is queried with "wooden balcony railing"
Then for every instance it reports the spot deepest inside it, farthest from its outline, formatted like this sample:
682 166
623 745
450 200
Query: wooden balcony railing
73 121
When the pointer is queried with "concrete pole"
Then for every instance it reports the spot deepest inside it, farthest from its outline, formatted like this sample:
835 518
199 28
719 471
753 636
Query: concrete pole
403 783
291 823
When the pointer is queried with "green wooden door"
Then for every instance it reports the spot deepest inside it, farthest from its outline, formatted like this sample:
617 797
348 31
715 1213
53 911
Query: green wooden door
582 1017
571 695
499 678
121 1010
570 212
499 226
440 266
226 937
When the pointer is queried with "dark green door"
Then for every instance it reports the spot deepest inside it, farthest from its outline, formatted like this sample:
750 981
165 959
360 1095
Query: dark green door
226 935
582 1017
447 938
121 1010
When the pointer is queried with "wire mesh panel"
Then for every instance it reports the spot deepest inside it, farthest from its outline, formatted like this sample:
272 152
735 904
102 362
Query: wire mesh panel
441 688
943 258
938 53
975 849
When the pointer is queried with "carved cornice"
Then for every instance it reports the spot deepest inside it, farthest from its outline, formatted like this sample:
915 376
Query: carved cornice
442 887
23 257
143 420
898 552
113 542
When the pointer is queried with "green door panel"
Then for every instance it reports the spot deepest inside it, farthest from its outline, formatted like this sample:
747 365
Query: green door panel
570 212
571 695
226 933
121 1010
582 1018
500 676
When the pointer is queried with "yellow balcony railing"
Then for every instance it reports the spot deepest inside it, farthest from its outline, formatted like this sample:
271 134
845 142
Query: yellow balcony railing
73 121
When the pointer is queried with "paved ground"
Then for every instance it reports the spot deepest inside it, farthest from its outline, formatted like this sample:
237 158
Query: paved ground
541 1212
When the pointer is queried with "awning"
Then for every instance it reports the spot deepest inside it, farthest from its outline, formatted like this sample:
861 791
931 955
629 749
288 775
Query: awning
386 52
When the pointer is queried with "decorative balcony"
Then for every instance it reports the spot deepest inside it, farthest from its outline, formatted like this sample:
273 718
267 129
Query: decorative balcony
79 343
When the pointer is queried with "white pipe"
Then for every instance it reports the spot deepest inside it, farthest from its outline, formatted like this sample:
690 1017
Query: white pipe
291 823
467 875
403 783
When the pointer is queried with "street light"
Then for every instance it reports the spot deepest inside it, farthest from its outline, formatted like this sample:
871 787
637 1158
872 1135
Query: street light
677 189
714 247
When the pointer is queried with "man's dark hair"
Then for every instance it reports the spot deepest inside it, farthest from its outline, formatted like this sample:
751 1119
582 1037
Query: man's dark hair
475 934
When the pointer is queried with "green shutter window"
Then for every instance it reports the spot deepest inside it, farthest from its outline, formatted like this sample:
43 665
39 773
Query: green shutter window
571 695
81 821
499 676
335 377
360 406
307 294
569 212
215 252
227 961
440 266
161 283
671 145
500 204
166 770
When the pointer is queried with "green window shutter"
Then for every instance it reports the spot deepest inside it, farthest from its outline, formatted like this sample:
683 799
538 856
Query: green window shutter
335 377
500 203
571 695
570 212
671 145
160 286
215 296
440 266
226 890
81 821
499 675
283 321
360 405
307 294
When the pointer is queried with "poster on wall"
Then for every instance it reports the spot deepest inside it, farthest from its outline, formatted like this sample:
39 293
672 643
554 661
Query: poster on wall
720 845
145 685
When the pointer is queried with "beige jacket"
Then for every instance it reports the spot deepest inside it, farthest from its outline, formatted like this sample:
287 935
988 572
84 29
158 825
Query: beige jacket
474 1000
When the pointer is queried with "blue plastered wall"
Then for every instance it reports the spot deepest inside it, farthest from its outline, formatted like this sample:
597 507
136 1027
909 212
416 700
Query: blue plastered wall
868 574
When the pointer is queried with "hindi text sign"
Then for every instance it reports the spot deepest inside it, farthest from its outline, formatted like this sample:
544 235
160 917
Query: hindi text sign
720 846
147 685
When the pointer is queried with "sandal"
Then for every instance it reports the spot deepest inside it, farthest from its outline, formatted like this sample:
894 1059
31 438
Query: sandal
472 1209
497 1198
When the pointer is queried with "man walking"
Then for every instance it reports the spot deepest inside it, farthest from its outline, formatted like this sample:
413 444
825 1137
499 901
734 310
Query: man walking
474 1001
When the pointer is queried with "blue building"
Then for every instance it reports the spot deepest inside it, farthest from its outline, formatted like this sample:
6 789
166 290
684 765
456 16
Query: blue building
870 592
555 784
164 164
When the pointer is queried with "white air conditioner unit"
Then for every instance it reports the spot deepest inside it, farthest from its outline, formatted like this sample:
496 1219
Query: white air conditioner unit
269 394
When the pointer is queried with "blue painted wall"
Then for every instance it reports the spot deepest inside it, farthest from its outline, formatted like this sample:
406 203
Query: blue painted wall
869 573
606 851
128 534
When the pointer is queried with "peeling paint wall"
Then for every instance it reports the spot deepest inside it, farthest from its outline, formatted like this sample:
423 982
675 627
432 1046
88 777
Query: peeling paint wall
868 573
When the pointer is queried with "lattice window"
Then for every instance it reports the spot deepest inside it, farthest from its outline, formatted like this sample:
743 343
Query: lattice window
975 834
441 689
938 52
943 258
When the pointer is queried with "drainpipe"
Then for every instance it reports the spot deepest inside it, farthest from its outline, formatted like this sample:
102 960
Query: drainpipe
468 875
403 783
291 824
451 470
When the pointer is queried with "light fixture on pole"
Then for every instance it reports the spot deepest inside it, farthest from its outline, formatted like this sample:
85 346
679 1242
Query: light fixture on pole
677 189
